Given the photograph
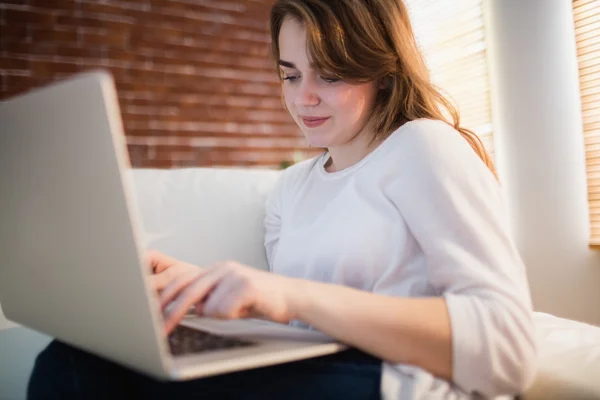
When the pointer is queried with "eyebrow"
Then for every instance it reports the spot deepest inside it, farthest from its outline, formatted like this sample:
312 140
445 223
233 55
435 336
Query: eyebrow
288 64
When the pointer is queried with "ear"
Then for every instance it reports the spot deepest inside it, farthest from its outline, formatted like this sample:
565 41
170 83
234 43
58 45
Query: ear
385 82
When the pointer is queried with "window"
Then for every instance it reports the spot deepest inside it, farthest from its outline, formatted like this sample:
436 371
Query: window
451 36
587 34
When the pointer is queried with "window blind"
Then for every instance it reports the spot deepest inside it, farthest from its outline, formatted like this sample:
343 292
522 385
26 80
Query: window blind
451 36
586 14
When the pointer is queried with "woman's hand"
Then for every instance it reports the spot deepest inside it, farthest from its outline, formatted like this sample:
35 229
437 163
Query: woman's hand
228 290
165 269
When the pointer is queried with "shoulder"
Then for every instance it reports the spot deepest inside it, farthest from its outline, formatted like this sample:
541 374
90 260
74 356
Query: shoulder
429 158
428 135
433 146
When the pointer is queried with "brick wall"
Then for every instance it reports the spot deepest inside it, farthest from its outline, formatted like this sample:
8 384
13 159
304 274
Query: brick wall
196 85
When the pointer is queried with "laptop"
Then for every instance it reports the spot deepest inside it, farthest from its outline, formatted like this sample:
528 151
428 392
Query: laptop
72 263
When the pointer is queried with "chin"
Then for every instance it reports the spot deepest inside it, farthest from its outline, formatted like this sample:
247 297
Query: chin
316 140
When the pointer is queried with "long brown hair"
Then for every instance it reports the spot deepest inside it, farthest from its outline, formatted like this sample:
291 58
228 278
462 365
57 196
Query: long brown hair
360 41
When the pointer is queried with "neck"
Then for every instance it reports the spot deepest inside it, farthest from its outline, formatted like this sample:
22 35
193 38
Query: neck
348 154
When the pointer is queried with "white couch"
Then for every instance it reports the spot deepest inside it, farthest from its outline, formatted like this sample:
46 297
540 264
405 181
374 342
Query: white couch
204 215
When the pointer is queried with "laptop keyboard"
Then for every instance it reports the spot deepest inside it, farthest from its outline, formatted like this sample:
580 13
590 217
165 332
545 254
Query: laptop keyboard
184 340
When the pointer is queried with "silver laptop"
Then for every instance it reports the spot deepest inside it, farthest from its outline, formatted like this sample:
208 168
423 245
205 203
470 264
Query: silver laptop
71 255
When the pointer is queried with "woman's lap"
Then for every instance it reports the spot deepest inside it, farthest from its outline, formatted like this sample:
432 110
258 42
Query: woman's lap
64 372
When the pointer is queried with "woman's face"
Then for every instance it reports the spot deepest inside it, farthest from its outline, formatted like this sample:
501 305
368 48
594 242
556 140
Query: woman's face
330 113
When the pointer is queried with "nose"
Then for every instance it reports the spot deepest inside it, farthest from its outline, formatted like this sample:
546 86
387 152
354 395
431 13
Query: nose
307 95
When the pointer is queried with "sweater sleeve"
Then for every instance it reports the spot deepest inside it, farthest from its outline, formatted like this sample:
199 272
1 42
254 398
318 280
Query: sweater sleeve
452 204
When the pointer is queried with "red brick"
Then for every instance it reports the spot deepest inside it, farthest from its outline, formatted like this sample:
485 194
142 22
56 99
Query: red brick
52 67
107 38
173 38
112 23
28 50
137 153
13 33
7 62
19 80
72 50
95 7
62 5
15 2
30 16
212 114
39 33
17 47
16 83
161 164
192 127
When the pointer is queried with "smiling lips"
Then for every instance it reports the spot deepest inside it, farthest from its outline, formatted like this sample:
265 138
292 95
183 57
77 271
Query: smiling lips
313 122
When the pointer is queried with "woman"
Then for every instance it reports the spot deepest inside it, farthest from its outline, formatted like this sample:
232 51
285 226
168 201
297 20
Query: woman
394 241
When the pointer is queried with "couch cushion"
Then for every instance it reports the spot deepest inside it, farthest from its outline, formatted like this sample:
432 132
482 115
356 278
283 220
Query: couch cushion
205 215
569 360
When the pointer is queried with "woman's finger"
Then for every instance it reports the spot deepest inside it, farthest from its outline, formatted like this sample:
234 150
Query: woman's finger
162 279
159 281
157 261
174 285
196 291
227 300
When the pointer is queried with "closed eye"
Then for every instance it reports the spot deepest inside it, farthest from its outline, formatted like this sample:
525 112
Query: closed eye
324 78
330 80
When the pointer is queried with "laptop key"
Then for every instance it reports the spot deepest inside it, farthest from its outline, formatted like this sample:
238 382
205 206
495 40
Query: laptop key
184 340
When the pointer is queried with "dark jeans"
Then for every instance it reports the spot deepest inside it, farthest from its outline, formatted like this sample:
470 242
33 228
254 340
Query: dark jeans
63 372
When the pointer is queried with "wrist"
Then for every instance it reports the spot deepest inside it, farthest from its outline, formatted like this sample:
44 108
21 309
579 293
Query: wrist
297 297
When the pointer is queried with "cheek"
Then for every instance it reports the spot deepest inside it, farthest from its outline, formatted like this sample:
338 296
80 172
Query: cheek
288 94
349 101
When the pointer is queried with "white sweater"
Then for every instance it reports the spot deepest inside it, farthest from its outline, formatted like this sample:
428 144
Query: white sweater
421 215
